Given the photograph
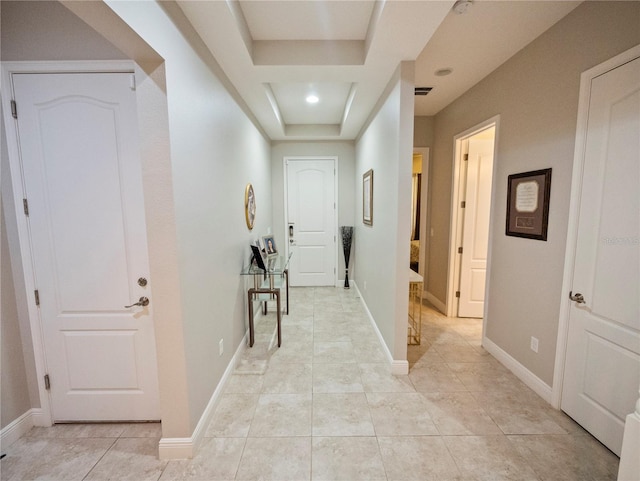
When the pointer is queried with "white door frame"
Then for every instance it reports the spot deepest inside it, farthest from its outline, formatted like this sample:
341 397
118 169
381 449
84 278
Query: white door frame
574 211
334 159
17 183
455 227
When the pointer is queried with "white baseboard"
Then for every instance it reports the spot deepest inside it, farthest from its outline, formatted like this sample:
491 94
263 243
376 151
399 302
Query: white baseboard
541 388
398 367
20 426
629 468
185 448
437 303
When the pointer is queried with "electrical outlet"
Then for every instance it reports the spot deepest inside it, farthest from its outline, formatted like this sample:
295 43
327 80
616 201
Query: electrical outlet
365 285
534 344
221 346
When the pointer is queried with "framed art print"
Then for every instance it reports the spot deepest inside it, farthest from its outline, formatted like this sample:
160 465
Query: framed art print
528 204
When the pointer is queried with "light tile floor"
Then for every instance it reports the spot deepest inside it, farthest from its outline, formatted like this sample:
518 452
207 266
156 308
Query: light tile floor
325 406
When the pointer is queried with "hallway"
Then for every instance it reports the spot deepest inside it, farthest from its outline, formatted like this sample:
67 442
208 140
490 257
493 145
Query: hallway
325 407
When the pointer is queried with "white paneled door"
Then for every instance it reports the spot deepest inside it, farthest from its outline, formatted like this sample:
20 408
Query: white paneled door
82 180
475 237
602 368
311 217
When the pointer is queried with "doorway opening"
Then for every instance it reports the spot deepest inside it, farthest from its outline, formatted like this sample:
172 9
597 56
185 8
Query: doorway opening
474 159
419 186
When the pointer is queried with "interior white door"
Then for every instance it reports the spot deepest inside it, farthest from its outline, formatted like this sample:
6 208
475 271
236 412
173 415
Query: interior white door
311 231
602 367
475 236
82 177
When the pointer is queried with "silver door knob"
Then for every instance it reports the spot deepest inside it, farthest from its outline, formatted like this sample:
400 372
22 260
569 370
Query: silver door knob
142 302
578 298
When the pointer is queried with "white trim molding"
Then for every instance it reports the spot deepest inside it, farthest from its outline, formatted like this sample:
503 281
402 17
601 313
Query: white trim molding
437 303
541 388
20 426
398 367
629 468
186 448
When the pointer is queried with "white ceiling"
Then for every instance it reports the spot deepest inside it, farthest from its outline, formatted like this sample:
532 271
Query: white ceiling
345 51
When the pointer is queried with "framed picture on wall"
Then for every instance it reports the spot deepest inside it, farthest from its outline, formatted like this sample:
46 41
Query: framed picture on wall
528 204
367 197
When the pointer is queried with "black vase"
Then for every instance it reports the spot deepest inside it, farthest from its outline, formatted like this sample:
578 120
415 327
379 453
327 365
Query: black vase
347 236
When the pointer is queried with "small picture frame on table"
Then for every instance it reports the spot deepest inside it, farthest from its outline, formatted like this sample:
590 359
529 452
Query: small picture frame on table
270 248
257 257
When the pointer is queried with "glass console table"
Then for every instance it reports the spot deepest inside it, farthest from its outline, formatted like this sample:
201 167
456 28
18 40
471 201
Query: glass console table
267 284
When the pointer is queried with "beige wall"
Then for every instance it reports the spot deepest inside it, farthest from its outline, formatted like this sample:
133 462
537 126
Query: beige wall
14 389
536 95
423 131
345 152
382 249
44 30
215 151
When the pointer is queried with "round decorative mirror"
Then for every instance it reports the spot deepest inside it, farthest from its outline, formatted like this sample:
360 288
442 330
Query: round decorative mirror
249 206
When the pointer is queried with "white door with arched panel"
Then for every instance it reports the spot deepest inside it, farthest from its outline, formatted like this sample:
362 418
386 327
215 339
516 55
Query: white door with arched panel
82 182
311 221
602 366
475 236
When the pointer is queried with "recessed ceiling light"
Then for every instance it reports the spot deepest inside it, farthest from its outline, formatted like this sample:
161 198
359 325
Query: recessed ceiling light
443 72
461 6
312 99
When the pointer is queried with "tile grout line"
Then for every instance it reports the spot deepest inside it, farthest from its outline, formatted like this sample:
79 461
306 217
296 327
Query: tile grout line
101 457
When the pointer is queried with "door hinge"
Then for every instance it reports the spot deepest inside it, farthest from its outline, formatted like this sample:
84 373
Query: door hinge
133 82
25 205
459 250
14 109
36 294
47 382
463 204
457 293
465 157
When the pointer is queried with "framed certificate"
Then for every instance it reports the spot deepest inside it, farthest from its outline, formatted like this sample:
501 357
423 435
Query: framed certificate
528 204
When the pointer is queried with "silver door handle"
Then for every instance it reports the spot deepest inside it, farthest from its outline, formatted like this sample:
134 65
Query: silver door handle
143 302
579 298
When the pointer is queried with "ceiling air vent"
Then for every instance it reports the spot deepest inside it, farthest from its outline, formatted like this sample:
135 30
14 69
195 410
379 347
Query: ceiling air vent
423 90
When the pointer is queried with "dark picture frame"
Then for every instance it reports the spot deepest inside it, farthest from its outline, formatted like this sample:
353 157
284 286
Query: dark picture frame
528 204
257 257
367 197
